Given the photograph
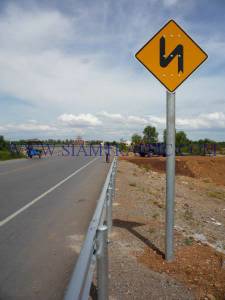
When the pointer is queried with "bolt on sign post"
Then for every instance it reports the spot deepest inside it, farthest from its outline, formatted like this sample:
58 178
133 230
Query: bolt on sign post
171 56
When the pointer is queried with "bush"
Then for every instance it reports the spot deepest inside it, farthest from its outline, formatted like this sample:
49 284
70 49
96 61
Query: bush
5 155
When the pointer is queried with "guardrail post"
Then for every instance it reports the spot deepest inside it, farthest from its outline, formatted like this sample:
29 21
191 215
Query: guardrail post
102 262
113 181
114 178
109 208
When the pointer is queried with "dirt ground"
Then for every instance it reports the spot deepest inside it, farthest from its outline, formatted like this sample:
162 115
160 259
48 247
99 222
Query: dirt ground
211 168
137 266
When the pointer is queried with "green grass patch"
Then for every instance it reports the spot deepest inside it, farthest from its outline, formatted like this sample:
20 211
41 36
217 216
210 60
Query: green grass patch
6 155
189 241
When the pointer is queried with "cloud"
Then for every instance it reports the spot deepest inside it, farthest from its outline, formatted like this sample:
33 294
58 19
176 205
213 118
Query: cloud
110 116
170 2
213 120
137 120
32 126
79 120
41 62
82 62
105 125
51 63
33 30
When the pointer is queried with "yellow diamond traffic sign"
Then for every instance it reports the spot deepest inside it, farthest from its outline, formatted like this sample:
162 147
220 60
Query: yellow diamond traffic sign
171 55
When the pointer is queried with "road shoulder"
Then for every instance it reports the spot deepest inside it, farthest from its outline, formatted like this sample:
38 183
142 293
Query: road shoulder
137 267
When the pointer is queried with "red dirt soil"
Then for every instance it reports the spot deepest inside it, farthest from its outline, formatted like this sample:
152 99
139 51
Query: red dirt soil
197 265
201 167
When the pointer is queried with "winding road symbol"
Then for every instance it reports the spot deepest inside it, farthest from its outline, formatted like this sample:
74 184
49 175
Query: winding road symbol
171 55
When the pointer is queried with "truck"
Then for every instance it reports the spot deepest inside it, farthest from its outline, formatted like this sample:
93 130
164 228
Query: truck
149 150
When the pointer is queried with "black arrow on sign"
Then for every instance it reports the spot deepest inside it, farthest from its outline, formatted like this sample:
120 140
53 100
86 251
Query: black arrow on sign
164 61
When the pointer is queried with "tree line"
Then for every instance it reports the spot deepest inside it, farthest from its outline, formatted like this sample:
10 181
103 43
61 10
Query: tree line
150 136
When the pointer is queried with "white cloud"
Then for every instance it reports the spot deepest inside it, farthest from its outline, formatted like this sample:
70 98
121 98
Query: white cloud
125 122
157 121
103 125
137 120
111 116
32 126
58 63
203 121
33 30
38 65
79 120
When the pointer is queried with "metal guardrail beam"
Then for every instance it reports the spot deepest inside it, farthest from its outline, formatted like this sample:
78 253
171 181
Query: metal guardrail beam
94 248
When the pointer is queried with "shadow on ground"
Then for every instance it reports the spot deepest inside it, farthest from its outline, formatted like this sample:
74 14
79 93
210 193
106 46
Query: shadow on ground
93 292
130 226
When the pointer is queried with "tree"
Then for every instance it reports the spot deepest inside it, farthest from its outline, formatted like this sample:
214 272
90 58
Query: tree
150 135
180 138
3 143
136 139
164 136
206 141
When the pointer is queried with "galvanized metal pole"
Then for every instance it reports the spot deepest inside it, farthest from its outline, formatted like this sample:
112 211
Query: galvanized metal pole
109 207
170 174
102 263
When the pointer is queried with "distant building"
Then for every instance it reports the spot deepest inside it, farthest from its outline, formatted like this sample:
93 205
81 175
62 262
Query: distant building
128 143
79 141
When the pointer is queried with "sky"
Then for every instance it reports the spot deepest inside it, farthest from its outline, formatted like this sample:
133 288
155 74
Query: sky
68 68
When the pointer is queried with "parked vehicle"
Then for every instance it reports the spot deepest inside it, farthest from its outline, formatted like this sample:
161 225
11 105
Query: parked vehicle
34 148
150 149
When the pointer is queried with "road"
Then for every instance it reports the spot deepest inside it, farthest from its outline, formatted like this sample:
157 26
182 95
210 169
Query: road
45 209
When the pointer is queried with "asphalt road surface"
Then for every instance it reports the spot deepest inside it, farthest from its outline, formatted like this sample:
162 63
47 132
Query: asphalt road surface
45 209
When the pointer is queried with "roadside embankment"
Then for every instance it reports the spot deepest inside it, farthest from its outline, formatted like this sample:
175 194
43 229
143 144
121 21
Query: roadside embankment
137 268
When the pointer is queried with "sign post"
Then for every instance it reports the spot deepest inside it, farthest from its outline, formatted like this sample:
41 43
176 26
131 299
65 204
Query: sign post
171 56
170 173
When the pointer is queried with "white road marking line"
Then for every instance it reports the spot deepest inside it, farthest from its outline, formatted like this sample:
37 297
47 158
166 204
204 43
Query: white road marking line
12 216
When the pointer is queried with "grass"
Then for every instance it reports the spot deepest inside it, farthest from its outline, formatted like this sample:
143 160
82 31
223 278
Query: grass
145 167
189 241
206 180
151 230
155 202
6 155
152 193
140 188
155 216
188 215
217 194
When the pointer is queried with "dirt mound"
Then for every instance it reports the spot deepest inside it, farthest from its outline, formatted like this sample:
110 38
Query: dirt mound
202 167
